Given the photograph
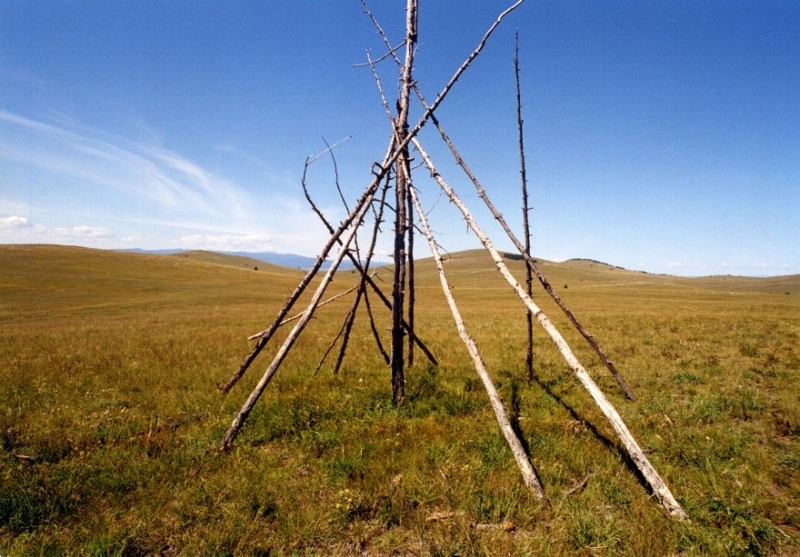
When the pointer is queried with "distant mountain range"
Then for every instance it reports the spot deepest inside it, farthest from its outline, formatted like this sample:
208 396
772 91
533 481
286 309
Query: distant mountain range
290 260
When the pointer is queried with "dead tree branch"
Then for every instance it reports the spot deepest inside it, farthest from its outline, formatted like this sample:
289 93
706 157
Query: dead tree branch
299 315
342 332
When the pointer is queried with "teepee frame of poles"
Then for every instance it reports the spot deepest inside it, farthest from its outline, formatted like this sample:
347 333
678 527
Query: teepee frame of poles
393 175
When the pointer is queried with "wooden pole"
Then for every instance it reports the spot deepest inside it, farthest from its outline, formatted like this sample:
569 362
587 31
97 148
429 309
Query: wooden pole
638 457
523 461
411 284
526 228
241 416
532 265
403 177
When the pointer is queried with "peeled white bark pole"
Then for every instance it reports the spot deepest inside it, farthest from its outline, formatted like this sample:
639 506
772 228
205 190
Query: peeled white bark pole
523 462
638 457
241 416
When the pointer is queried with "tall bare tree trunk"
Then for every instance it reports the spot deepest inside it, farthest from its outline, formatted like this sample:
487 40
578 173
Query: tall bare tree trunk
525 211
411 285
401 225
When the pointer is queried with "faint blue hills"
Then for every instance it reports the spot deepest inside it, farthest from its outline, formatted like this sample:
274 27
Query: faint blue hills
290 260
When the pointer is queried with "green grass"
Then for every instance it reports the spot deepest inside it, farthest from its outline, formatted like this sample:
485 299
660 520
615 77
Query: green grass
110 417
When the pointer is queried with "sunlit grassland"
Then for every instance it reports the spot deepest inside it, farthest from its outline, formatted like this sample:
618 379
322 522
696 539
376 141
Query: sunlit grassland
110 418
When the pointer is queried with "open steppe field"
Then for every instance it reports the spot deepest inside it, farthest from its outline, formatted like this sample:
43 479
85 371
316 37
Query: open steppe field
110 417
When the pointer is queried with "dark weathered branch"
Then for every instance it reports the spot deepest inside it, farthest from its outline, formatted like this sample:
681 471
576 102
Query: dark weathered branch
525 211
375 332
336 174
341 333
411 281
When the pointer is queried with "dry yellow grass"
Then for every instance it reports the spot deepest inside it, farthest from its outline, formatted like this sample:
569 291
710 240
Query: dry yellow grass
111 418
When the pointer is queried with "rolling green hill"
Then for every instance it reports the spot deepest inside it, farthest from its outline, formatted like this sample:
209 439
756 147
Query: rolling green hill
111 419
229 260
58 281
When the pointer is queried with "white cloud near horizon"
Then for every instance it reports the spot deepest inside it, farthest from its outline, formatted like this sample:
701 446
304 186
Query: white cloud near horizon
227 242
16 228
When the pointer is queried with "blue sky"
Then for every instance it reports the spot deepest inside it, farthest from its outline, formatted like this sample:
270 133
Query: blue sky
661 136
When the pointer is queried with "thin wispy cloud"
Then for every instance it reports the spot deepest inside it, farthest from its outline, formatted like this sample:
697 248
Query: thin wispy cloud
140 171
94 188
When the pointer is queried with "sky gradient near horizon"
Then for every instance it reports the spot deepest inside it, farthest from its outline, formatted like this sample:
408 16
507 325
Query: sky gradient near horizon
660 136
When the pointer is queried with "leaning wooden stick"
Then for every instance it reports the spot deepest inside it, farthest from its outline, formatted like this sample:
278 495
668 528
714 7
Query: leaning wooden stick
638 457
241 416
299 315
523 462
532 265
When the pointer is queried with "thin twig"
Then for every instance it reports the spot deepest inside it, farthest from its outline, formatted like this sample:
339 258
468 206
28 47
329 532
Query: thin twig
299 315
384 57
578 486
336 175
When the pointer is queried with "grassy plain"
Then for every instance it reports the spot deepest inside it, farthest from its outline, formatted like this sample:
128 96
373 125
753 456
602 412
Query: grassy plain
110 417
